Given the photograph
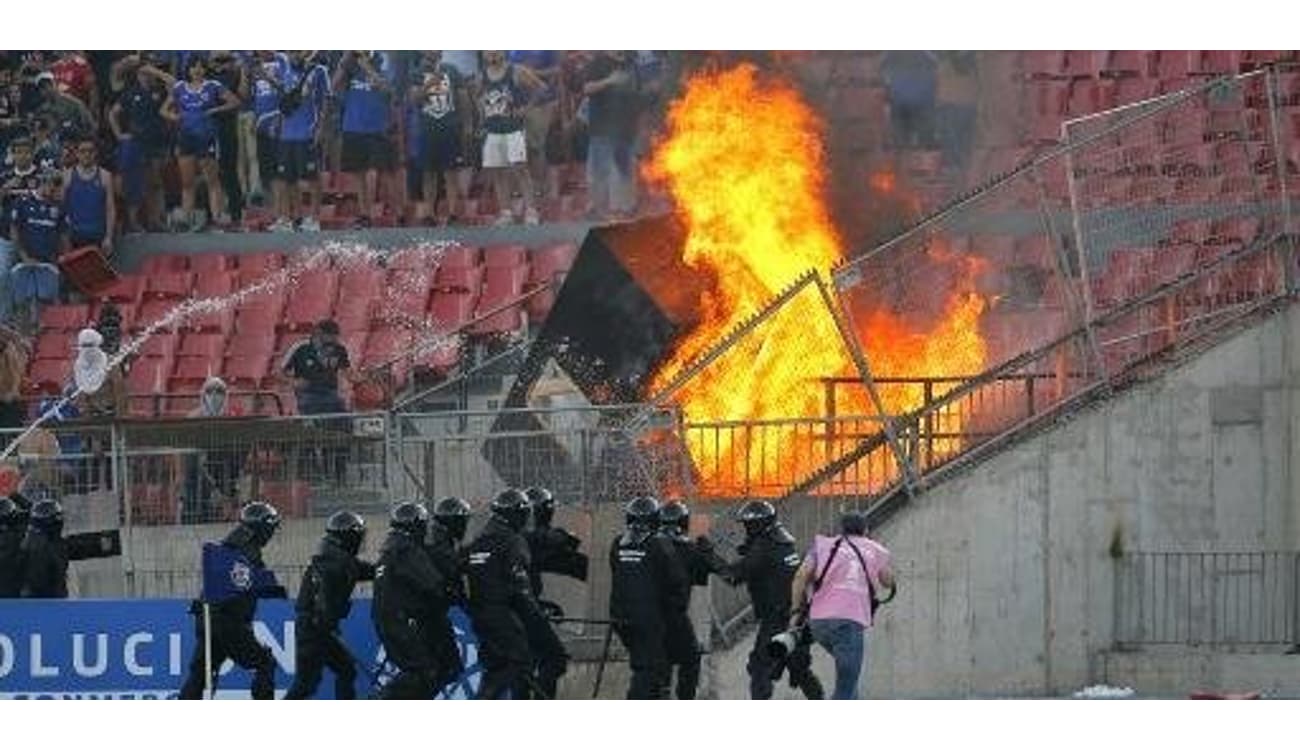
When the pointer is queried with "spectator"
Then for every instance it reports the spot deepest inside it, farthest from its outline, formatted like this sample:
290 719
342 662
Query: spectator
842 575
20 181
74 77
441 101
502 97
214 473
366 81
314 365
68 118
539 118
611 93
304 87
14 355
36 229
137 123
48 152
88 200
910 84
259 127
9 116
957 94
230 75
191 104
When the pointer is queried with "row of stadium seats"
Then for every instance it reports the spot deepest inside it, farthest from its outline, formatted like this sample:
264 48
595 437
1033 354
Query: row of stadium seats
379 310
1160 64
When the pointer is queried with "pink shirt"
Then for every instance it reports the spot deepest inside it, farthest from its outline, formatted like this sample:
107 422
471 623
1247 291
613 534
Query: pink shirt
844 594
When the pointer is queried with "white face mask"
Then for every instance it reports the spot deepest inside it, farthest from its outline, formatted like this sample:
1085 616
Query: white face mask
214 402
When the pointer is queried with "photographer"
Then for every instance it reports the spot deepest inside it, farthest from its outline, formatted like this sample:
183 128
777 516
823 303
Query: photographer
842 574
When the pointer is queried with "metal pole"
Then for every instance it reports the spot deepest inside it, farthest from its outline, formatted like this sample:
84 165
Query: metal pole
207 650
1280 158
604 657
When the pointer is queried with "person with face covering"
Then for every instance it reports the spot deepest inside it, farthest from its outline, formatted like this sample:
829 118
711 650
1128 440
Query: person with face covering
211 472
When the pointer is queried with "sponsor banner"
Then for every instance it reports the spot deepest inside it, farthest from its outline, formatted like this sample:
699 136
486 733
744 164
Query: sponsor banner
140 649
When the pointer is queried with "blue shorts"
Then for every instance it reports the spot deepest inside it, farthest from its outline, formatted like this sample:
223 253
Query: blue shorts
34 281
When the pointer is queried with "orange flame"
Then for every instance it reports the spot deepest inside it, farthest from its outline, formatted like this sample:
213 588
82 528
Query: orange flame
743 162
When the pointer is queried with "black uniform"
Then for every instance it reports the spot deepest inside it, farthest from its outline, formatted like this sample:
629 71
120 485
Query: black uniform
767 566
648 585
410 603
697 560
550 550
325 599
11 561
44 565
501 602
444 551
232 630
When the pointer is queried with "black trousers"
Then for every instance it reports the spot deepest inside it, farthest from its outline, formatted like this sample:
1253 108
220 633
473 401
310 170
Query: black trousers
550 660
648 658
227 161
231 639
317 648
683 654
504 651
406 647
763 671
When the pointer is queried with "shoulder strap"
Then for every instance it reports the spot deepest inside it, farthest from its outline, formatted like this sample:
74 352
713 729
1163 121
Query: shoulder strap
817 584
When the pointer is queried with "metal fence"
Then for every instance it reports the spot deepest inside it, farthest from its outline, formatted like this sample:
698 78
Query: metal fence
1207 598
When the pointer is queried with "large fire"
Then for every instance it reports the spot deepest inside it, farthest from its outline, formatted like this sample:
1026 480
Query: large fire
743 163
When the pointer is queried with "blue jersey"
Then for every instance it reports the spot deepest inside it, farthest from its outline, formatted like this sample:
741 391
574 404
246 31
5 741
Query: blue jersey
300 124
538 60
194 105
38 224
266 98
86 204
365 106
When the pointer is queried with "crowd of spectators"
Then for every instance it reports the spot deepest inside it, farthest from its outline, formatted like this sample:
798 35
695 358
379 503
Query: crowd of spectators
186 141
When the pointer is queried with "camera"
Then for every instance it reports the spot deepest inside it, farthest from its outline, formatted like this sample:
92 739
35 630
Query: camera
783 644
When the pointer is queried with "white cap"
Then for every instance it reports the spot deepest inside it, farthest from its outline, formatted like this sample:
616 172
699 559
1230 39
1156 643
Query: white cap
89 337
214 382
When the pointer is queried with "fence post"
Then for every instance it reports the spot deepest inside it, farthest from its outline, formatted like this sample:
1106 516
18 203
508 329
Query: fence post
1029 392
928 399
122 481
1280 159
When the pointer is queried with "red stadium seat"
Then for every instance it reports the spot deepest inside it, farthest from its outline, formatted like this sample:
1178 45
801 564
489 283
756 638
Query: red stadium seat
386 344
450 310
55 345
460 256
49 375
360 282
256 321
1174 64
251 346
169 285
1218 62
154 312
149 376
217 284
247 372
1122 63
260 262
466 279
211 264
311 302
1043 64
190 372
222 322
211 345
126 290
65 317
165 263
508 256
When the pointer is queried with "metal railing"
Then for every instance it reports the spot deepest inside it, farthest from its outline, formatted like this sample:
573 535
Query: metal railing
1207 599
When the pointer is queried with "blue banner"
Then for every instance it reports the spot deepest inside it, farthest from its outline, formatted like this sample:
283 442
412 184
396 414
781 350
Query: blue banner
141 649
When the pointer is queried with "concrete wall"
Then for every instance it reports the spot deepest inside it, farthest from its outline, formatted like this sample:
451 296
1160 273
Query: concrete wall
1006 576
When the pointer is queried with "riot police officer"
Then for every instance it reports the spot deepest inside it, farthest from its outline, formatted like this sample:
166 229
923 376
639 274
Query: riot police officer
13 525
450 521
410 602
324 599
44 554
501 598
551 550
648 582
767 566
698 560
232 619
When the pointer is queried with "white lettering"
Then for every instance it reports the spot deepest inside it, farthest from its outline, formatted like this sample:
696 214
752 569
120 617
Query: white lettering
6 655
281 650
79 655
133 665
38 669
174 654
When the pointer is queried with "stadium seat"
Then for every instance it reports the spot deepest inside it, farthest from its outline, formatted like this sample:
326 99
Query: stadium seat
1122 63
464 279
412 259
1043 64
385 345
451 310
176 285
260 262
256 321
126 290
505 256
1188 231
1218 62
1131 90
49 375
164 263
247 371
461 256
253 345
1168 263
154 312
1171 64
65 317
190 372
500 286
311 301
149 376
211 264
222 321
352 314
210 345
55 345
216 284
365 282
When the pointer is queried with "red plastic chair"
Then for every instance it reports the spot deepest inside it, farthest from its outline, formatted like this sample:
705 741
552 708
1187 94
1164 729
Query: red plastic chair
211 264
49 375
151 312
257 322
55 345
311 302
65 317
466 279
1174 64
251 346
126 290
210 345
190 373
169 286
217 284
461 256
165 263
222 322
505 256
247 372
450 310
149 376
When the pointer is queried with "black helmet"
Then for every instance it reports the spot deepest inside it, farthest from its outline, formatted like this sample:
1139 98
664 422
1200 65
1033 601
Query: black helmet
261 518
674 516
410 518
11 516
452 514
512 507
757 516
642 513
47 516
348 529
543 506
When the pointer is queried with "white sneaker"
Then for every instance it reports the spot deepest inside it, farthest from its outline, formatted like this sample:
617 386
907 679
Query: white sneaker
281 225
531 218
310 224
